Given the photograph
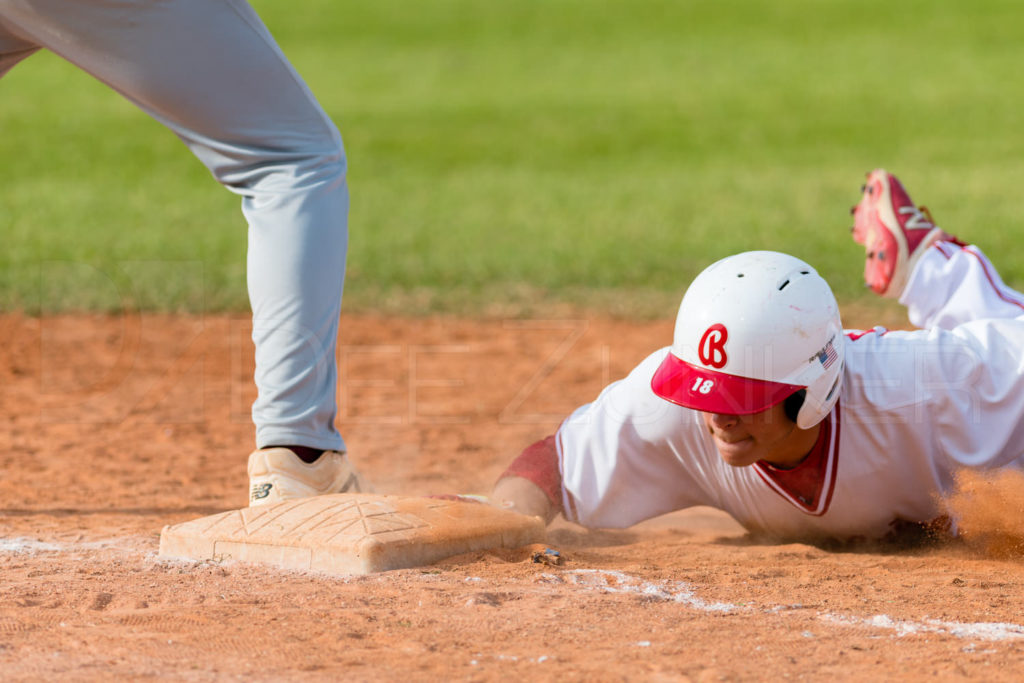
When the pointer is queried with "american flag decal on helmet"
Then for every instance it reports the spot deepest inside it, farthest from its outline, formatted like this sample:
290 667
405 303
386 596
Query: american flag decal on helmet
828 355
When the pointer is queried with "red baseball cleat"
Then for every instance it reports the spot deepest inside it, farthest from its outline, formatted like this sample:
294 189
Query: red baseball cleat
893 231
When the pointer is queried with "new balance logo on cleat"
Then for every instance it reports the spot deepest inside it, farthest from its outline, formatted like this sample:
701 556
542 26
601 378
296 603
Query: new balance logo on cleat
277 474
260 491
918 219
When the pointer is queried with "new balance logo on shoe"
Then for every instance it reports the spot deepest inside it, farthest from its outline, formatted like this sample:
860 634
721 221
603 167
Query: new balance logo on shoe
260 491
278 474
917 220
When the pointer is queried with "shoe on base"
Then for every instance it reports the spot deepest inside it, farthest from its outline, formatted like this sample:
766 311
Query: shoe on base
277 474
893 231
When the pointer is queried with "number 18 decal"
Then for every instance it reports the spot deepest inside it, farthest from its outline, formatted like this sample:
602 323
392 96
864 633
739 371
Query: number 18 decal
701 385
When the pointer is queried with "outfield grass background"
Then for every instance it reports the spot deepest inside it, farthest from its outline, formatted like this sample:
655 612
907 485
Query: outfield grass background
514 156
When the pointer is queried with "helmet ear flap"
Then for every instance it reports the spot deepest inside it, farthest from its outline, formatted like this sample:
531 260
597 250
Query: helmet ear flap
793 403
816 407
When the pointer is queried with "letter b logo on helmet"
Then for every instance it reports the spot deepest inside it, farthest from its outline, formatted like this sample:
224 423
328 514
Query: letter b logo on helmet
711 349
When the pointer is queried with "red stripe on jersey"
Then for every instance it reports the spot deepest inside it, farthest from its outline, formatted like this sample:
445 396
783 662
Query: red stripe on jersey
945 248
857 334
809 485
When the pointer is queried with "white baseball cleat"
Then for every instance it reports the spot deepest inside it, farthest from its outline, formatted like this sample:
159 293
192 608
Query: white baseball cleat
277 474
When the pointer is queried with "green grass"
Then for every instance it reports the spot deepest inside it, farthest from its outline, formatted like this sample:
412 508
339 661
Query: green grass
519 156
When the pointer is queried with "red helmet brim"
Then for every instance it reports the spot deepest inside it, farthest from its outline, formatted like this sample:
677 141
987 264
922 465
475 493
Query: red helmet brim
709 391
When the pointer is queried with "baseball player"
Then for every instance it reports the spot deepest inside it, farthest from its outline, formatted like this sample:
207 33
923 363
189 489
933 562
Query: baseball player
210 71
764 407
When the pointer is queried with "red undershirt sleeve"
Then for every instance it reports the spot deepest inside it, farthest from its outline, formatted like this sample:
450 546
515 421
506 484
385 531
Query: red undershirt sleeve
539 464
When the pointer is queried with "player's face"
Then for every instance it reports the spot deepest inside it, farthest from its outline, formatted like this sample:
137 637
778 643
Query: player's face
742 440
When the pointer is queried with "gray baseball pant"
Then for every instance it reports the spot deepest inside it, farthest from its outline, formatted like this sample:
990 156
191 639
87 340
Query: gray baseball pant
211 72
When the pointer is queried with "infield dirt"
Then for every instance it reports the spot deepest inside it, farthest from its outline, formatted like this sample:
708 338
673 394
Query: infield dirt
115 426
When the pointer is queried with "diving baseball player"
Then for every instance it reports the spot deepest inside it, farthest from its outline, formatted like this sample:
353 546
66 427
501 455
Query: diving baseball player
764 407
211 72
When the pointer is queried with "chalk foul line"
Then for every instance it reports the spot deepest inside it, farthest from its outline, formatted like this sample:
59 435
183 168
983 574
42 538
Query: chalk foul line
611 581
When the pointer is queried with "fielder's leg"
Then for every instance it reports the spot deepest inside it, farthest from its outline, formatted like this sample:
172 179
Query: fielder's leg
210 71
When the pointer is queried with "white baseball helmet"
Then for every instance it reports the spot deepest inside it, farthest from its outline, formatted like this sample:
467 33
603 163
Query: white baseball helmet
753 330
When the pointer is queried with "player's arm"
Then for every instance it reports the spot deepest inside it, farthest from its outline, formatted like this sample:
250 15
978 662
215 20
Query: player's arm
532 484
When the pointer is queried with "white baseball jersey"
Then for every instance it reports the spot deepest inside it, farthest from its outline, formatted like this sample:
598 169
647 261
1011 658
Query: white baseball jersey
916 406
